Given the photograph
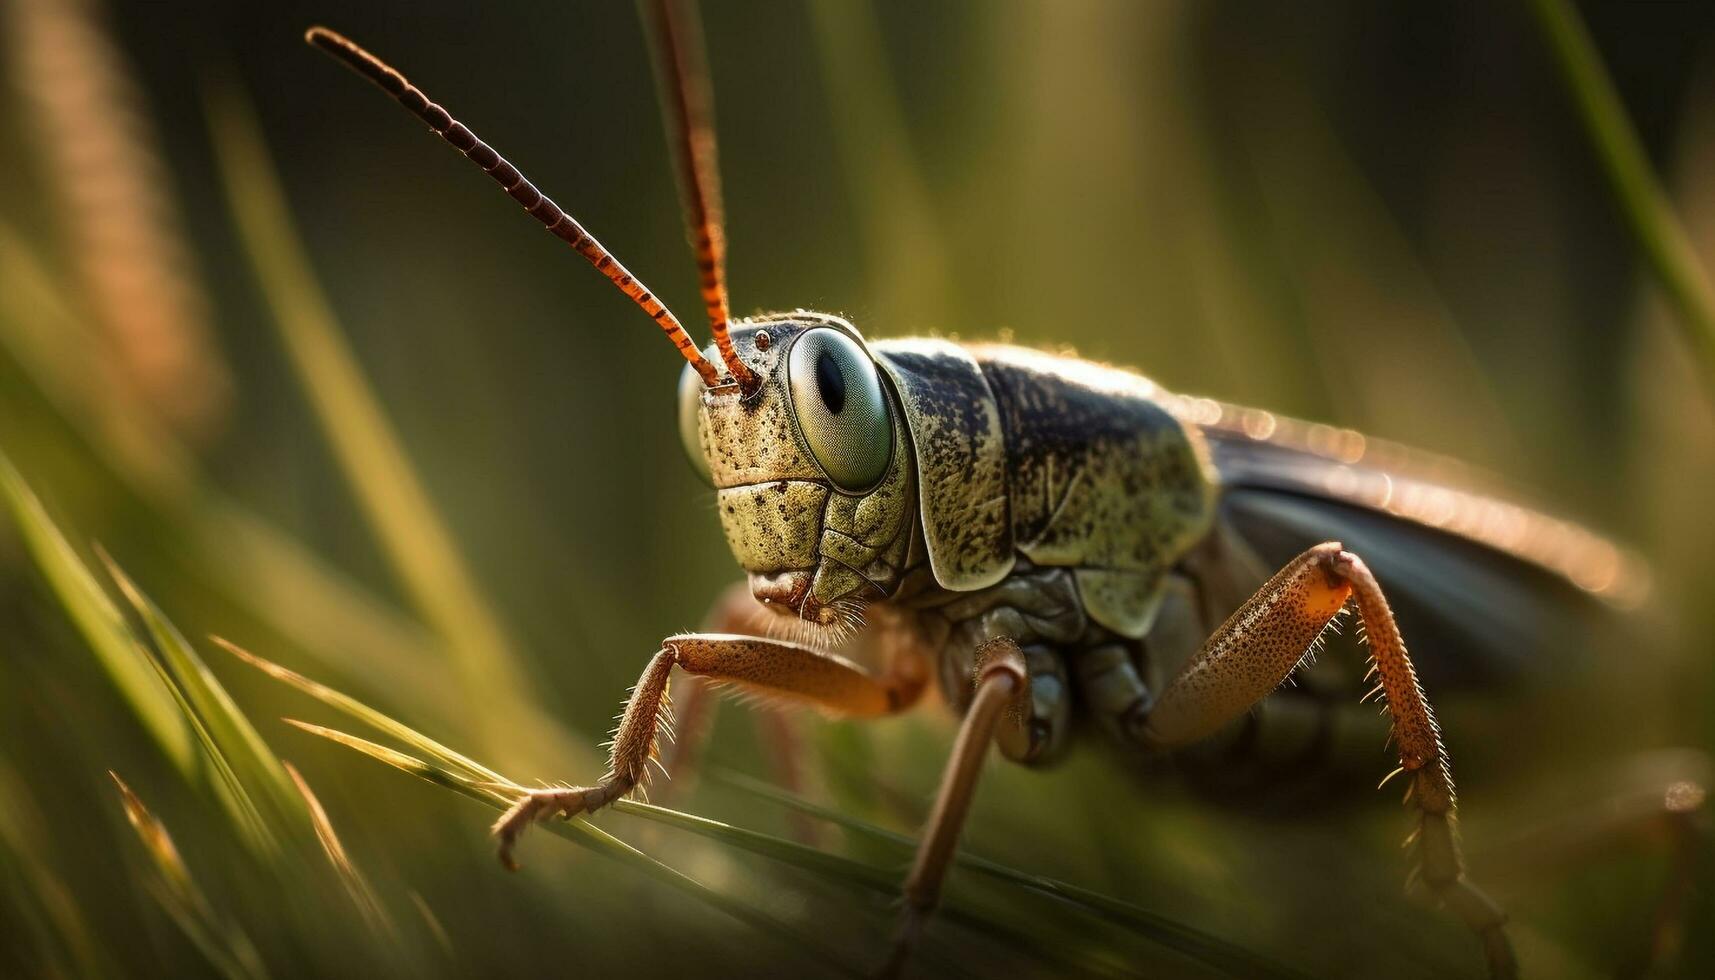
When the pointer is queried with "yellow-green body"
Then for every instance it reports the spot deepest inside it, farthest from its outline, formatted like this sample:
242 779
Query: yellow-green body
1028 494
1105 524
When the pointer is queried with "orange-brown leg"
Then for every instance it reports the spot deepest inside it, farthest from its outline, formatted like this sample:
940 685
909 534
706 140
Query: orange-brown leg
768 668
695 704
1258 647
1002 688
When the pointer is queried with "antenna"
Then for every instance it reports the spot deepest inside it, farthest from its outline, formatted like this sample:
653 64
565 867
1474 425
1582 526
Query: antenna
690 129
539 205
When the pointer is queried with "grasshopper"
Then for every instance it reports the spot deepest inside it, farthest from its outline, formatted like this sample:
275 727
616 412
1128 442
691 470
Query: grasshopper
1045 539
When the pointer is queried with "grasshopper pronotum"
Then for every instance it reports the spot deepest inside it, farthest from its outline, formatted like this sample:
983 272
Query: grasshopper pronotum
1037 535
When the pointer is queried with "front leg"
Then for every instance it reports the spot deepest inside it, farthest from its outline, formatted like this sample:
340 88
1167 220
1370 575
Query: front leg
1259 646
769 668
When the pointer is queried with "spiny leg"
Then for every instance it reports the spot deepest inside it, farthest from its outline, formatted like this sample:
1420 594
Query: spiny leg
695 704
1258 647
1002 688
764 668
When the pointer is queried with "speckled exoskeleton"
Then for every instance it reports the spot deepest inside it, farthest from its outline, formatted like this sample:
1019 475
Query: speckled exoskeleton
1049 542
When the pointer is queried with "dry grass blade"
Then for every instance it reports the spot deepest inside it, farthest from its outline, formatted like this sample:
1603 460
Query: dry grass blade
432 922
225 946
124 233
356 886
100 622
158 843
44 332
414 538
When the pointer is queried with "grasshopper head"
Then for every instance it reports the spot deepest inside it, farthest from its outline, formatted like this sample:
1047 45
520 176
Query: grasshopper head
788 415
811 469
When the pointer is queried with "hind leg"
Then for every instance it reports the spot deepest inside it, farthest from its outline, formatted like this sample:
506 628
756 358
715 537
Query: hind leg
1259 646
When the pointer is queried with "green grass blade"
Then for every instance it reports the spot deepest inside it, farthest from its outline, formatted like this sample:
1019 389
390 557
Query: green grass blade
1636 190
220 778
98 619
234 739
1194 943
881 880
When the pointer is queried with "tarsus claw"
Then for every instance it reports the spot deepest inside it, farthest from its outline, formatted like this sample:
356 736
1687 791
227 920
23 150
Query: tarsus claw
533 806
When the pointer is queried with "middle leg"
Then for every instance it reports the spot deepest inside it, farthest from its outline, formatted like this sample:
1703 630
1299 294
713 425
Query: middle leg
1001 689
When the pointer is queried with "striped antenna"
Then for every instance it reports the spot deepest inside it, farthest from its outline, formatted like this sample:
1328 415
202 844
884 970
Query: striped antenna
538 205
691 129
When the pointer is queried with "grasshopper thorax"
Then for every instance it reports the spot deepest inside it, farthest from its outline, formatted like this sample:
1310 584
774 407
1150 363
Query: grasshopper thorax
812 477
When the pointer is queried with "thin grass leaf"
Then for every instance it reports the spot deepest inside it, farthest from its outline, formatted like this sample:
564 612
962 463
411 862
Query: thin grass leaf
223 944
433 922
1637 192
101 624
463 764
880 880
1198 945
157 843
584 833
414 538
428 772
221 779
236 740
356 886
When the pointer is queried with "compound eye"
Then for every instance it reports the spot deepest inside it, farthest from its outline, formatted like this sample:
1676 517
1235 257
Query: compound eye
840 408
690 405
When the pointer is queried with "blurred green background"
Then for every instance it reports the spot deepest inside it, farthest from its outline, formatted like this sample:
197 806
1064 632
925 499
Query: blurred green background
1387 217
